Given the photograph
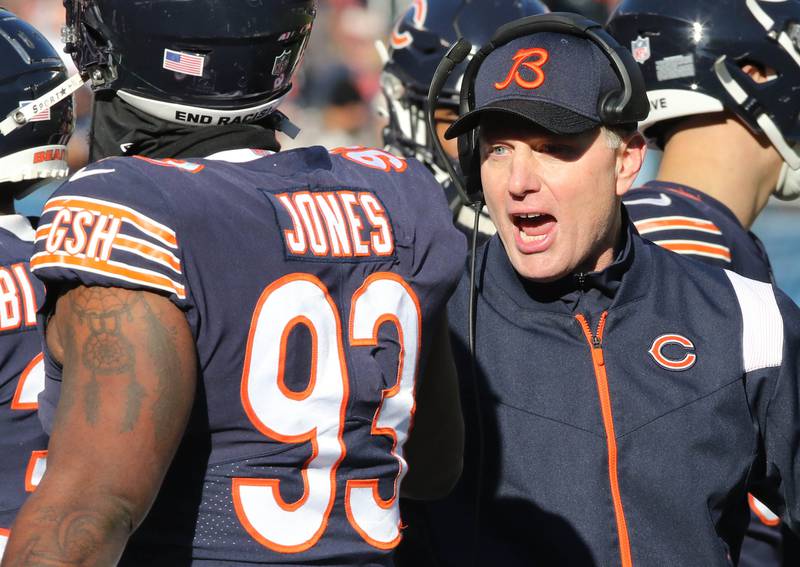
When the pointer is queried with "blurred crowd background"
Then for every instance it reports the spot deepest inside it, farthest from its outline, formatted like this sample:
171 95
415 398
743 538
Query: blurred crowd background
337 99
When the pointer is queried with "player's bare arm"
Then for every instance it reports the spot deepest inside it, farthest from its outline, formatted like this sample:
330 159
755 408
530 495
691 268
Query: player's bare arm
435 446
128 387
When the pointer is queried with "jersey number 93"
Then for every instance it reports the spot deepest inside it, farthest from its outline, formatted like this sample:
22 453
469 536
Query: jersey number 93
317 414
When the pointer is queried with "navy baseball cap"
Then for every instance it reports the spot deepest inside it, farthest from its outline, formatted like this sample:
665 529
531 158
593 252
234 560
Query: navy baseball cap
555 80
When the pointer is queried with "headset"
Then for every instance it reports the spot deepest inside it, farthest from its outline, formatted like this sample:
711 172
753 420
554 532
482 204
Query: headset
617 107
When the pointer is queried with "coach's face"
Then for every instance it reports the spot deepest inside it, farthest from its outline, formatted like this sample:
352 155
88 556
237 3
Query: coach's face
555 199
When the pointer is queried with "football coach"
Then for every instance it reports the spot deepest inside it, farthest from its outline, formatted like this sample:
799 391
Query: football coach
628 398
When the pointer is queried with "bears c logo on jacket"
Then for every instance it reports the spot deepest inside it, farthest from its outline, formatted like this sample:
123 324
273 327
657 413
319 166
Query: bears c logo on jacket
684 363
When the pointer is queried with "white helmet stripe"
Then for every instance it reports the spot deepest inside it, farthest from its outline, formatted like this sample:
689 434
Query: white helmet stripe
666 104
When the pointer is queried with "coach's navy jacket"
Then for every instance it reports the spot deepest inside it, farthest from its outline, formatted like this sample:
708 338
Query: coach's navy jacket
625 414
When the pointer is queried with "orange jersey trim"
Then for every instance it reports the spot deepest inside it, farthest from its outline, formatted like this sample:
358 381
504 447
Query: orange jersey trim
148 251
646 226
599 364
110 269
760 514
36 458
140 221
696 247
16 404
43 231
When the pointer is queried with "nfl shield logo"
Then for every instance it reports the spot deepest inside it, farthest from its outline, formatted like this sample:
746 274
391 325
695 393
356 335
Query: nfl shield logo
640 47
281 63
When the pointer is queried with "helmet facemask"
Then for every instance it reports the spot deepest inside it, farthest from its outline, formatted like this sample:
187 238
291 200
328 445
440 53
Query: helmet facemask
406 131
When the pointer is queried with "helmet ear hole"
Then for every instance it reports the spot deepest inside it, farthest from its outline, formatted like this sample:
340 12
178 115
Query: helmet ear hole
757 72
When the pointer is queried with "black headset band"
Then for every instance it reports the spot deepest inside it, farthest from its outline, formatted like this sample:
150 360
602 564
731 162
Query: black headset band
622 108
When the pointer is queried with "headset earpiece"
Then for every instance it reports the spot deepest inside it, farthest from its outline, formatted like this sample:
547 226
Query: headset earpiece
620 106
468 150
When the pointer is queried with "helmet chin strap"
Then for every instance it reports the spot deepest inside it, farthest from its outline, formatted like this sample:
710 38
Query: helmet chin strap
788 187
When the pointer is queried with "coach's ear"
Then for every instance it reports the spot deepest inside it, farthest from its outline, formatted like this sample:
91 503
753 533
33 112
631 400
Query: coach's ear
630 157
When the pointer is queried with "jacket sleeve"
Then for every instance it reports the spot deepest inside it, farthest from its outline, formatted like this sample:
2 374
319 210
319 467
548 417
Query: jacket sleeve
775 391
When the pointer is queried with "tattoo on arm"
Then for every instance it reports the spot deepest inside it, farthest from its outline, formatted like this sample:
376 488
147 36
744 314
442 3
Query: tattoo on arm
129 379
107 353
75 535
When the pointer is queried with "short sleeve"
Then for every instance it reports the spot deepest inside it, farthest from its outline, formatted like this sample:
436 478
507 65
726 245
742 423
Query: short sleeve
678 224
110 225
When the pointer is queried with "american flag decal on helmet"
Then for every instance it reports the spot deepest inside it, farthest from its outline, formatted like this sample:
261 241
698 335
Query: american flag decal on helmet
41 116
185 63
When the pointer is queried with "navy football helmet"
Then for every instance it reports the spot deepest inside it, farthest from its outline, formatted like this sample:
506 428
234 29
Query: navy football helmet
31 67
419 40
596 10
691 53
197 62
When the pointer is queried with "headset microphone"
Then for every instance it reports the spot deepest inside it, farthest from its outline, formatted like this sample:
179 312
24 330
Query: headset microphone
455 55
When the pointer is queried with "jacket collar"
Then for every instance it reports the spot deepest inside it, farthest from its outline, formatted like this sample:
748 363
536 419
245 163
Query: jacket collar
625 280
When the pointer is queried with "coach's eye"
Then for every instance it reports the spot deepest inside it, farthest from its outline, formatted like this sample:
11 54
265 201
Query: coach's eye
499 150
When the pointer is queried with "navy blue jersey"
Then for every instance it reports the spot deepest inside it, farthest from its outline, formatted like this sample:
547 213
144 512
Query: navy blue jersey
23 443
311 281
689 222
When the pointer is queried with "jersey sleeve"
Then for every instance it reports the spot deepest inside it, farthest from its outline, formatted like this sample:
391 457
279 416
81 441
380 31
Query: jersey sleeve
678 224
110 225
437 240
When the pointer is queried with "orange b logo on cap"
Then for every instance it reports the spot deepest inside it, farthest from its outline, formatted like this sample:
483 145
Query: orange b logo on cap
521 60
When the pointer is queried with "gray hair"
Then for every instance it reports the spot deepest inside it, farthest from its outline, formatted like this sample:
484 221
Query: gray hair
616 134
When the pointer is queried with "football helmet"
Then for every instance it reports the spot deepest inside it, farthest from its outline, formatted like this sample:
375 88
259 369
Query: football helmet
691 53
196 62
419 40
31 67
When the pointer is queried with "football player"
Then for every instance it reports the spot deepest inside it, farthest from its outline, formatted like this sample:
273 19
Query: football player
419 40
722 84
29 156
243 339
722 79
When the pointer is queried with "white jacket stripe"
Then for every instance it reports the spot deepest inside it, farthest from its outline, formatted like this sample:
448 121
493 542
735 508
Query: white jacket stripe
762 324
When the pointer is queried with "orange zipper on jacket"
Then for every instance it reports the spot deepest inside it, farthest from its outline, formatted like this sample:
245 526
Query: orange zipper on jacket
596 344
